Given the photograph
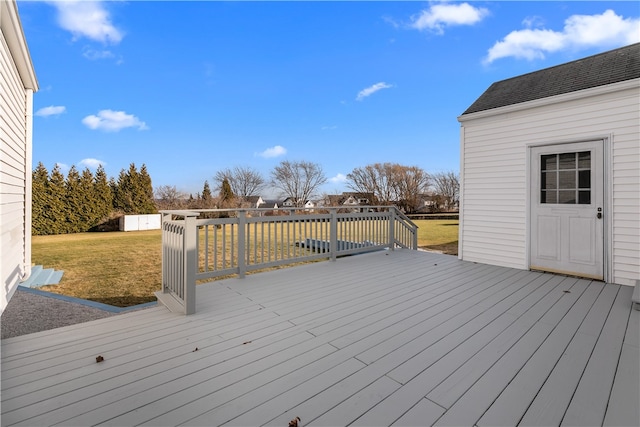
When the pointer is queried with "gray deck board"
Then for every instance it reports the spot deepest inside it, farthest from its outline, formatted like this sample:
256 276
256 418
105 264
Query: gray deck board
514 399
590 399
387 338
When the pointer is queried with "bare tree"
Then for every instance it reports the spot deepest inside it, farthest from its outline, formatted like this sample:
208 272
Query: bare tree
391 183
168 197
377 179
244 181
412 182
447 188
298 180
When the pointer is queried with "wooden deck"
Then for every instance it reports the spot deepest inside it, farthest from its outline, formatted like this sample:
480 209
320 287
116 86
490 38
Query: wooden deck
388 338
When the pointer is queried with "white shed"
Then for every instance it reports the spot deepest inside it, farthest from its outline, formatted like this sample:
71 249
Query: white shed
17 85
550 170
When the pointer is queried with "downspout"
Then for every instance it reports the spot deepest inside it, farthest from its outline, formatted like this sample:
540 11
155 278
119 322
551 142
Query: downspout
28 198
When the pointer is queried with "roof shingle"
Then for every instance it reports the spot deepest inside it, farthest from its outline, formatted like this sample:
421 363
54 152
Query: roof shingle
598 70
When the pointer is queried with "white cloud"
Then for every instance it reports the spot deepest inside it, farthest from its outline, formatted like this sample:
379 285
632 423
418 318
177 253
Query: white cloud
532 21
338 179
51 111
579 32
276 151
113 121
439 16
334 127
371 90
88 19
91 163
93 54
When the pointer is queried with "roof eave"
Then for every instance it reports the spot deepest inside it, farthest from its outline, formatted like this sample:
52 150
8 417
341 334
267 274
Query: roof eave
14 36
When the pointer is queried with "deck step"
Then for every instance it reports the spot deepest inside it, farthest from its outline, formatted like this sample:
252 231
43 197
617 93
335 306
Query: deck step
636 296
42 276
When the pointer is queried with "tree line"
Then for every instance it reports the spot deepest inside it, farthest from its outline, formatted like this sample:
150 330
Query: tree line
82 201
300 181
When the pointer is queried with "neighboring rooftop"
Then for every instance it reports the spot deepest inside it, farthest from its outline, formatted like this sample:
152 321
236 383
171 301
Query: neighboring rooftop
598 70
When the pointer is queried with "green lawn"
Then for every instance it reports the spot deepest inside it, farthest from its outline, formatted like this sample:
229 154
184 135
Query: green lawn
124 268
116 268
439 235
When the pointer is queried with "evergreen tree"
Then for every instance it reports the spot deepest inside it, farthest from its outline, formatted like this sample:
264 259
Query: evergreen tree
56 211
74 202
89 215
134 192
103 194
207 197
123 194
145 203
40 223
226 194
113 185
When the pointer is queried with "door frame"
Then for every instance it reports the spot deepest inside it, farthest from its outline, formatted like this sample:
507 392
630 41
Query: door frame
607 226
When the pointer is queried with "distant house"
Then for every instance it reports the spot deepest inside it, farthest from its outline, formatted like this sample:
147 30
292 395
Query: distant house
253 201
429 203
18 85
353 200
550 170
289 202
269 204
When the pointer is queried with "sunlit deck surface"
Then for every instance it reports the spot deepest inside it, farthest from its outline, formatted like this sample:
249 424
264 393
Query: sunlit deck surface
387 338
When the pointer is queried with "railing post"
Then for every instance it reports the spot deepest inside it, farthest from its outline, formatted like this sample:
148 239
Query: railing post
190 263
242 256
392 228
333 235
165 255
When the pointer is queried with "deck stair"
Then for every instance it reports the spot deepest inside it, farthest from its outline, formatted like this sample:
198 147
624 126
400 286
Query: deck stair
318 245
42 276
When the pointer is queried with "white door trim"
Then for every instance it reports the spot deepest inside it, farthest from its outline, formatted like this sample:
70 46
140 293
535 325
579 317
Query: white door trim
605 141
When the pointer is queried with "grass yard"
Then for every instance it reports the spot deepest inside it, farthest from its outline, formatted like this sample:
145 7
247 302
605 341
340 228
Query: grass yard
124 268
438 235
116 268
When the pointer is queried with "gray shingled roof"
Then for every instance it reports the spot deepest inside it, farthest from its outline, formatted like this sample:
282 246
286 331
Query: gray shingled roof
605 68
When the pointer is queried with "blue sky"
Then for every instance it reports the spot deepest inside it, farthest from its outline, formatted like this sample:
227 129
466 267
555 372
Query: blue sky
190 88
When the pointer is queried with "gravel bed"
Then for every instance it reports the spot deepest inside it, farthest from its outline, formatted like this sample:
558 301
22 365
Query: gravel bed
29 312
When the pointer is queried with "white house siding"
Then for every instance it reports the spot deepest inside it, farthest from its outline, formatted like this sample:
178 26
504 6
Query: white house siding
494 144
17 83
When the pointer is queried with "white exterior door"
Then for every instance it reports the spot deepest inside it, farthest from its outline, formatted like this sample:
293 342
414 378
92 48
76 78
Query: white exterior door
567 209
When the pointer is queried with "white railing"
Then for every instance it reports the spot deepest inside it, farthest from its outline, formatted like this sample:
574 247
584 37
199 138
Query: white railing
196 248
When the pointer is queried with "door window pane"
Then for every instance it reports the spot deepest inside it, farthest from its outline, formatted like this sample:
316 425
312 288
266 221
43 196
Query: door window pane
584 197
549 180
549 162
565 178
584 160
567 161
549 196
584 179
567 197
